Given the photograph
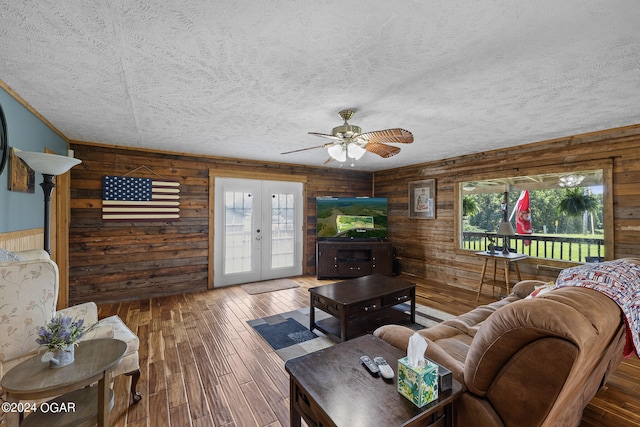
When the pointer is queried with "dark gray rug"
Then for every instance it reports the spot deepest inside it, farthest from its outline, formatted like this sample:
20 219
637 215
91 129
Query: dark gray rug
284 333
282 328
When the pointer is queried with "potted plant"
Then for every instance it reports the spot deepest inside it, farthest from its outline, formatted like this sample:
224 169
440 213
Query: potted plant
576 201
60 337
469 206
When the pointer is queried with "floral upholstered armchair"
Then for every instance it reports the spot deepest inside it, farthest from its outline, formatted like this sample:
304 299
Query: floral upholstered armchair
28 296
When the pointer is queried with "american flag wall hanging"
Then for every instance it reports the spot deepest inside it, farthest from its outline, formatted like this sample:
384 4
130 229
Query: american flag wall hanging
139 199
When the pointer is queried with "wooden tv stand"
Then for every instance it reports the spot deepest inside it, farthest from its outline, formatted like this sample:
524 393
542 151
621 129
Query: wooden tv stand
353 259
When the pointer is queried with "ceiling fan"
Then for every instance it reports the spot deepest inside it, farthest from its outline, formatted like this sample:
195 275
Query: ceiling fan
348 141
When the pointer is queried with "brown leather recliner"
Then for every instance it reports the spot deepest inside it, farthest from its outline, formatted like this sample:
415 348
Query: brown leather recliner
526 362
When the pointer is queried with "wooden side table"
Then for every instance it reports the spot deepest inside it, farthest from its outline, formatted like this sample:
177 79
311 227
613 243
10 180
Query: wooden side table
332 388
33 380
507 259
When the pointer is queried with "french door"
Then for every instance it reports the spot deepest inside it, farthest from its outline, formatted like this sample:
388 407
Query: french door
258 230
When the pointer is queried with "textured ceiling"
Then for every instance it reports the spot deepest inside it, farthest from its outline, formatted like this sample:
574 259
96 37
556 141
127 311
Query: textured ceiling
249 79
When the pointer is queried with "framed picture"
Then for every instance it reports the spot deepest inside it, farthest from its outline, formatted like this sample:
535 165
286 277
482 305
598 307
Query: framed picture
422 199
21 177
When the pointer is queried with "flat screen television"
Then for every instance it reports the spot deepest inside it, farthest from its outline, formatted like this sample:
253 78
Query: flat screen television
354 218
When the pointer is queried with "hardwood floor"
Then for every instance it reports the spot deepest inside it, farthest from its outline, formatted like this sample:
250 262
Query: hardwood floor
202 365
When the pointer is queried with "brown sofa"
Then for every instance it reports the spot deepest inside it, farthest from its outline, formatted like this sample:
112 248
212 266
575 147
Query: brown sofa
526 362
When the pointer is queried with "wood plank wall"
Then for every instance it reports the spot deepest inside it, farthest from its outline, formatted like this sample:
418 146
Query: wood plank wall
427 248
112 262
22 240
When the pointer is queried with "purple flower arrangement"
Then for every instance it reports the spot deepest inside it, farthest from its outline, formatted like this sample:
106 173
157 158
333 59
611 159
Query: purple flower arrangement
61 332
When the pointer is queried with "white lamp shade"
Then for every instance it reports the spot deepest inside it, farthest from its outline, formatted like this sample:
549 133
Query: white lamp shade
48 164
505 229
338 153
355 151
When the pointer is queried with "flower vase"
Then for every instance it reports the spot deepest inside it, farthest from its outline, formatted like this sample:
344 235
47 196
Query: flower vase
63 357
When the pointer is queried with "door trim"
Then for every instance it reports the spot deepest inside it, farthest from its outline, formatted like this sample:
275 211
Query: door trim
246 174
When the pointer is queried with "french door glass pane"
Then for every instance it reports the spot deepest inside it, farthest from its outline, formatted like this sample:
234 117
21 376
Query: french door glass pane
282 230
238 232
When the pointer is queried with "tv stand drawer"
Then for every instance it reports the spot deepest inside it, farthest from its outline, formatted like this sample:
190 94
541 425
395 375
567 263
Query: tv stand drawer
354 268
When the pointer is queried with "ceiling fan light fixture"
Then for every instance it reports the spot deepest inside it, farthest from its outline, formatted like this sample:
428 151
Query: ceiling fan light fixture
570 180
337 152
355 151
348 141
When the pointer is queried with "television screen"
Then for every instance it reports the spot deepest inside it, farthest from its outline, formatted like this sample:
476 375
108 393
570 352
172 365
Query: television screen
351 217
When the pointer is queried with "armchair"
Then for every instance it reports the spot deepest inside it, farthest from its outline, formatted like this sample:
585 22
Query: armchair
28 296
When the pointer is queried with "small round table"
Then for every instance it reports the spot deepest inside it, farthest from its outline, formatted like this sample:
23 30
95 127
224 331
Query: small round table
33 380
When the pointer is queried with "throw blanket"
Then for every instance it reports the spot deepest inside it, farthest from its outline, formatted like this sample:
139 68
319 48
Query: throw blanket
620 281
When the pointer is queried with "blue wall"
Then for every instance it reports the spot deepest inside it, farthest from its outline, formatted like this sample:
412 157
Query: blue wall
20 211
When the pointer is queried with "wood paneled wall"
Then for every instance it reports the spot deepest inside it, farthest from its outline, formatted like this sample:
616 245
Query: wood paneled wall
112 262
427 248
22 240
120 261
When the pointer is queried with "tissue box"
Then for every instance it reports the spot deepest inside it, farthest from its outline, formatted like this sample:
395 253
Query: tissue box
419 385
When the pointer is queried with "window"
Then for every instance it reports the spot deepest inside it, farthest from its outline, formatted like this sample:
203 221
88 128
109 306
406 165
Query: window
559 215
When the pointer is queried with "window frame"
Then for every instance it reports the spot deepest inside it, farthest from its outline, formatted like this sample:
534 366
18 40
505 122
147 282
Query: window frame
606 165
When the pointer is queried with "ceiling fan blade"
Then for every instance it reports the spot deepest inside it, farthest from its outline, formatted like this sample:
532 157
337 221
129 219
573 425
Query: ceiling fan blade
382 150
388 135
324 135
329 160
309 148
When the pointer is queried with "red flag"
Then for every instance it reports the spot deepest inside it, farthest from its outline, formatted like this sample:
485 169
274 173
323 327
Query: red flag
523 215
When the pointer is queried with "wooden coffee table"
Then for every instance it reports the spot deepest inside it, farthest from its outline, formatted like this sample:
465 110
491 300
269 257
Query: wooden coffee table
330 387
33 380
358 306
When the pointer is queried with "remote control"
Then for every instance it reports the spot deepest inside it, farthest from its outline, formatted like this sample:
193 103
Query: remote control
371 367
385 370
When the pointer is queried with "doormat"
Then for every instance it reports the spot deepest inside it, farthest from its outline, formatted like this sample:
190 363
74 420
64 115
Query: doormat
269 286
288 333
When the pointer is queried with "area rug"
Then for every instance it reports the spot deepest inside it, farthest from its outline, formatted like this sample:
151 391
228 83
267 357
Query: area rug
269 286
288 333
